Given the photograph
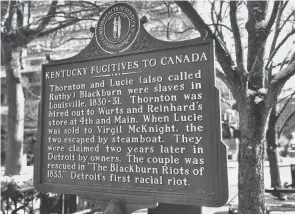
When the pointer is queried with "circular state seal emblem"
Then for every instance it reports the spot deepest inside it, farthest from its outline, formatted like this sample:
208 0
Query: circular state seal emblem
117 28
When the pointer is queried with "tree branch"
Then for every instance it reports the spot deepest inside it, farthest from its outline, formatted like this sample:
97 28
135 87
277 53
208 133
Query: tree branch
273 16
167 4
64 42
46 20
285 106
278 82
33 94
61 26
192 28
183 31
237 37
92 5
223 57
212 16
19 18
228 103
29 14
221 25
287 19
286 73
217 25
274 52
285 122
276 35
9 14
256 43
223 78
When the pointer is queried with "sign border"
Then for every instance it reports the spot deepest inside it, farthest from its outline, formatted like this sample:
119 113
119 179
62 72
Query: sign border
145 43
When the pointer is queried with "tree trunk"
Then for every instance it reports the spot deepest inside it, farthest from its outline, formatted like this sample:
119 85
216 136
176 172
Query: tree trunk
251 159
14 146
272 152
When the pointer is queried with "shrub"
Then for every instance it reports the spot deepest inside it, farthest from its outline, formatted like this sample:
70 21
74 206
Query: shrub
17 194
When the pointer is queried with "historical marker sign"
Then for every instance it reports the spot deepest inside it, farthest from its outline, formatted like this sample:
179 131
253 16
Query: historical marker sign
140 125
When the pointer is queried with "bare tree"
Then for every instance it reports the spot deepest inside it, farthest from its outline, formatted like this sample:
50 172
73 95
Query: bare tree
252 84
22 23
